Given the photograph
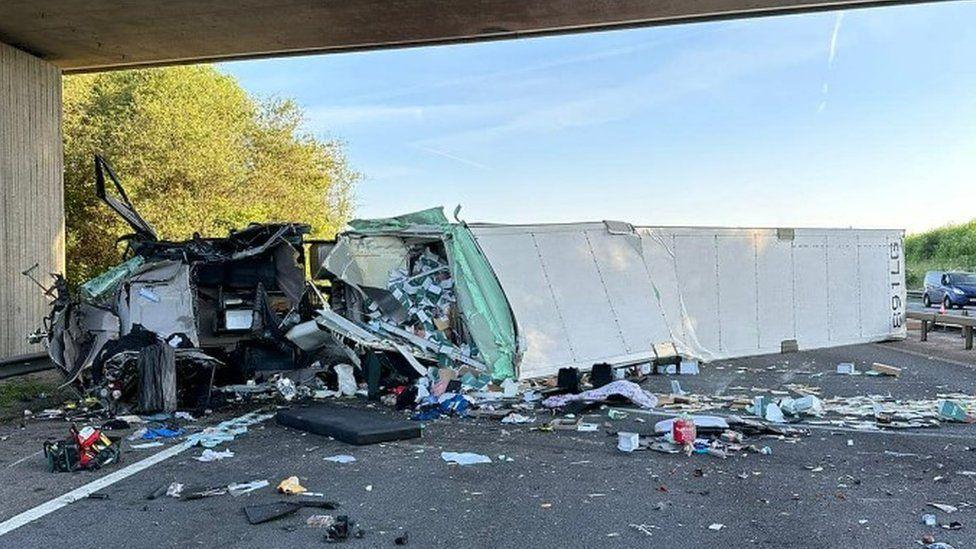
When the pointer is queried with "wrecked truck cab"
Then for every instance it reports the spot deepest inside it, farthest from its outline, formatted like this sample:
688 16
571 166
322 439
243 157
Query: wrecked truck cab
220 302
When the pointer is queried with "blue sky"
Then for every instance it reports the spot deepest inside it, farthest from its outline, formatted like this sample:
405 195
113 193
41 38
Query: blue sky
860 118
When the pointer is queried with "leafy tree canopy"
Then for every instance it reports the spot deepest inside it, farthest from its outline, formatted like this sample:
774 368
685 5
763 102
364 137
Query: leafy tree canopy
195 153
949 248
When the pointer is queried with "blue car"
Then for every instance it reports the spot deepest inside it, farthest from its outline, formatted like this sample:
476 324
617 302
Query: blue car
949 289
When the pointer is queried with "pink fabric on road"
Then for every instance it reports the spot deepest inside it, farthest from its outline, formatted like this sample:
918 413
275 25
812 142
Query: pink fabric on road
621 387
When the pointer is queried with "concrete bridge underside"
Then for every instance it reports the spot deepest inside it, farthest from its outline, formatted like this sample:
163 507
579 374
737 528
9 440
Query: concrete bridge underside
47 38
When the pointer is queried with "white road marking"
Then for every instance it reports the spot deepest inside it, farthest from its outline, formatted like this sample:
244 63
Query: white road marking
82 492
927 356
53 505
25 458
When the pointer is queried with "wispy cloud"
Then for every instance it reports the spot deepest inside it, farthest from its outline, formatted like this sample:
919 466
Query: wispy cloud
831 54
357 114
394 172
692 72
330 117
833 39
445 154
515 72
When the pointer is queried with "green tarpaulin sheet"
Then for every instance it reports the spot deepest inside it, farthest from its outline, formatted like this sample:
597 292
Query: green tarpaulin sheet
480 297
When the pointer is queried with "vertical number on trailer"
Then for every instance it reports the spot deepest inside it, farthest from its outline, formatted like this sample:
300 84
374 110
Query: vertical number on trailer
895 280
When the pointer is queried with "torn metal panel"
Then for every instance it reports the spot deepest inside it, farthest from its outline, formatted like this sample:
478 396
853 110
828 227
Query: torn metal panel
159 298
410 358
333 322
309 335
366 262
318 332
404 296
289 271
80 344
451 351
619 227
252 249
121 205
100 326
318 251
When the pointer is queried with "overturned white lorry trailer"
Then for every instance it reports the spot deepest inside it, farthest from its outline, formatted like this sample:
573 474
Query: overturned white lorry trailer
584 293
464 305
535 298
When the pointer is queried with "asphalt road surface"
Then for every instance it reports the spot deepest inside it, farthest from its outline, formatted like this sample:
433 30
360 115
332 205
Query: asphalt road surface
560 490
916 305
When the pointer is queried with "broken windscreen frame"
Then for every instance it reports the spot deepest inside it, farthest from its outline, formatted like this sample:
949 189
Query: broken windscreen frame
121 205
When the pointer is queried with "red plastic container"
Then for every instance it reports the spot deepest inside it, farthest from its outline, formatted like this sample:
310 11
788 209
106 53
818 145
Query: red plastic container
683 430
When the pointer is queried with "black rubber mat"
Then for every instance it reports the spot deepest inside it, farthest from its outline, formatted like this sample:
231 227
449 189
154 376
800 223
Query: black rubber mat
348 425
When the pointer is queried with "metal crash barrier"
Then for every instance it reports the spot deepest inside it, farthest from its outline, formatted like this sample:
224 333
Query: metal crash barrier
929 320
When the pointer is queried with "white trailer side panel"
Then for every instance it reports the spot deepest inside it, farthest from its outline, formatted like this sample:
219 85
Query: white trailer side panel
590 323
543 337
583 294
810 290
738 294
775 285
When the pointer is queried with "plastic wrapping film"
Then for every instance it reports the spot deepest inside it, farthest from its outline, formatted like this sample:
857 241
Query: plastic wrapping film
483 303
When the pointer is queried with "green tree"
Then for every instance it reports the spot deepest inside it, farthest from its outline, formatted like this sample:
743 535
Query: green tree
949 248
195 153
